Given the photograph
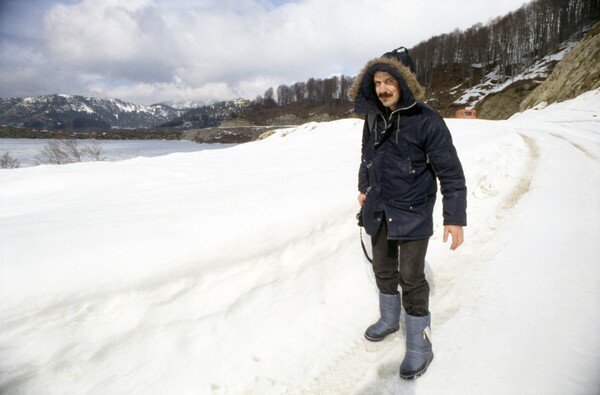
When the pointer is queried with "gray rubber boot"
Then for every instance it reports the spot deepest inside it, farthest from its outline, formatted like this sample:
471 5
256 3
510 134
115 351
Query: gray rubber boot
419 353
389 322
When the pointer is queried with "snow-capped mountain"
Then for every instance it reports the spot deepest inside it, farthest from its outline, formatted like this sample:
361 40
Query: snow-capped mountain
67 111
213 114
183 104
76 112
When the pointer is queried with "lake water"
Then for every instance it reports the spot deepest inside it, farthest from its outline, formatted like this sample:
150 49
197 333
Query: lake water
25 150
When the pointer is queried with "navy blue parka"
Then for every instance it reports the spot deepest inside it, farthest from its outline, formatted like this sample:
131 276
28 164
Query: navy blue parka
402 157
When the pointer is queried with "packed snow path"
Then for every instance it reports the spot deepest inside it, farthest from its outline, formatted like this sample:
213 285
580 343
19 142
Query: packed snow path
240 271
500 307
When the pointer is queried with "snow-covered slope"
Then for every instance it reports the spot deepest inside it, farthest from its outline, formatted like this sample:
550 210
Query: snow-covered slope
239 271
494 82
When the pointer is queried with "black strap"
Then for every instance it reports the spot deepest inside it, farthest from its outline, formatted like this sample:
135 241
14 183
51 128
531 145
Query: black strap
362 244
371 122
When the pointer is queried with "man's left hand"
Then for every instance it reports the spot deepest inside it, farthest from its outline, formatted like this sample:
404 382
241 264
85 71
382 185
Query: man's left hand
458 237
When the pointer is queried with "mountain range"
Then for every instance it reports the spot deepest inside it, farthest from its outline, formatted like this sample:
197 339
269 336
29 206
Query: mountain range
76 112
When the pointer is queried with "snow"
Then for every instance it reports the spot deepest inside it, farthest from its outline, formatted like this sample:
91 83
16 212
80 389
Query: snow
494 82
239 271
187 104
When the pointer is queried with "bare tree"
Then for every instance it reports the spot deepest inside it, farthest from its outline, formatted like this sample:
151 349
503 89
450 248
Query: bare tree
511 43
60 152
345 84
8 162
285 95
299 89
311 89
330 89
94 151
52 153
72 149
269 94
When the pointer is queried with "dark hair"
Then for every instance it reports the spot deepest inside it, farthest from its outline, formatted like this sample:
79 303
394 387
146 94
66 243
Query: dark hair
401 54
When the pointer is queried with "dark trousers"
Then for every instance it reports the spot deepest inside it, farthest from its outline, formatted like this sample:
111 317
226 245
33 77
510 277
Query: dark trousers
408 271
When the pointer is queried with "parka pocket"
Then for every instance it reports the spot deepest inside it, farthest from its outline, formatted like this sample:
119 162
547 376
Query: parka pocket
403 170
422 207
411 219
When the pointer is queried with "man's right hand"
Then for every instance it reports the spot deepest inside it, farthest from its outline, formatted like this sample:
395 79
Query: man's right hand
361 198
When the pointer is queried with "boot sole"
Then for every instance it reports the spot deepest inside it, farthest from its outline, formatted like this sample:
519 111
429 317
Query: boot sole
378 339
420 373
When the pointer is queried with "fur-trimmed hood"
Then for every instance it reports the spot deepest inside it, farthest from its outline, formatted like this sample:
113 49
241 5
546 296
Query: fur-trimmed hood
362 92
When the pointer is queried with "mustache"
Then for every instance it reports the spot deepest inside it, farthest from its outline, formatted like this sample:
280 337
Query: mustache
384 95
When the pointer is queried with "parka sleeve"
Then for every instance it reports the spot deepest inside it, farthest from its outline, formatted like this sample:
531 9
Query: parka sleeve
363 172
444 159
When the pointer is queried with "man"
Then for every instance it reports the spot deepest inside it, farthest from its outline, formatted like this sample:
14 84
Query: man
405 146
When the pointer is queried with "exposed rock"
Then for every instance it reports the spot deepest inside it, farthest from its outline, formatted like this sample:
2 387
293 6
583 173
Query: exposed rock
286 119
226 135
503 104
576 73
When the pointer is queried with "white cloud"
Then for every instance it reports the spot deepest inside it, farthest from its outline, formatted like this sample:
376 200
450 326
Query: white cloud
129 42
154 50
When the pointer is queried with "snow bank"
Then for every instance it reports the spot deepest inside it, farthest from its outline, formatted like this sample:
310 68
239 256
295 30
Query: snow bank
239 271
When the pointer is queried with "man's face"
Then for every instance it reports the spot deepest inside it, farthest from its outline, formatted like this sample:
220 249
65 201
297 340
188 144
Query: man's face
387 89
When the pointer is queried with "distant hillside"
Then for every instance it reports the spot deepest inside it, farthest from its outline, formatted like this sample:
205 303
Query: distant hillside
577 72
78 112
498 97
210 115
509 43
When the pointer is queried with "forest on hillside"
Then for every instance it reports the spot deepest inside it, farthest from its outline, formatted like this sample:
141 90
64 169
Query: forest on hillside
318 91
513 42
510 43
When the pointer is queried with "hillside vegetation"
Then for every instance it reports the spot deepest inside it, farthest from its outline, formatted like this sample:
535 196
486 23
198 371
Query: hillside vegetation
578 72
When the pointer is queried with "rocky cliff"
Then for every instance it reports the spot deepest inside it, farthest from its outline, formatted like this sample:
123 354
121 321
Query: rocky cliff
504 104
576 73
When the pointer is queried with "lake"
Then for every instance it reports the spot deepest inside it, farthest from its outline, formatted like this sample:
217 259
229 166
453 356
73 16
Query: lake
25 150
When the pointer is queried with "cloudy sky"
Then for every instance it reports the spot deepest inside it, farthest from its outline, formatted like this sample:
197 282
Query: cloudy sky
148 51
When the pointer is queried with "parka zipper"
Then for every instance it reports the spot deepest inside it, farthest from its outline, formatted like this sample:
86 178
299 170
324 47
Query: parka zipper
398 110
385 119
